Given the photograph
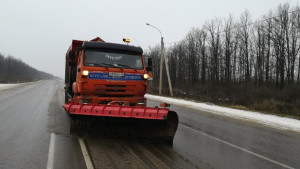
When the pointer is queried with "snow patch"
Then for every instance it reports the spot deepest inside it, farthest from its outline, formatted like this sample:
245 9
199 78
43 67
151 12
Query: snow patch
266 119
8 86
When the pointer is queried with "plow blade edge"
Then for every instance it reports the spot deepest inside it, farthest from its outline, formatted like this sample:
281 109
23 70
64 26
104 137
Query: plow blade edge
156 124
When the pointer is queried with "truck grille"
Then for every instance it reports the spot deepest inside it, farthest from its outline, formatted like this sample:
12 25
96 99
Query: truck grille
102 89
109 90
119 86
106 95
115 88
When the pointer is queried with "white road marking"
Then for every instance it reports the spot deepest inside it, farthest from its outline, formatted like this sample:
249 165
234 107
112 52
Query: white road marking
87 159
50 161
237 147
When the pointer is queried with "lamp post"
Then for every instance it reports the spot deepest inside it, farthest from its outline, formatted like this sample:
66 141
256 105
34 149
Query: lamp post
162 57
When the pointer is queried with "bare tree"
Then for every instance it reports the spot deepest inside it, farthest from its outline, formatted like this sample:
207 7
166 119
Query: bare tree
244 32
229 48
214 28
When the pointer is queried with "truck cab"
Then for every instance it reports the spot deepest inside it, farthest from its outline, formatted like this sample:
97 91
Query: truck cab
98 72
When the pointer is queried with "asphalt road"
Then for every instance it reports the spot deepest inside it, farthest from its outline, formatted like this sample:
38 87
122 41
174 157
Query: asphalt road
211 141
27 115
30 113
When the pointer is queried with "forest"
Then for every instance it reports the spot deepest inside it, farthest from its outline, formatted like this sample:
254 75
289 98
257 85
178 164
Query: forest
14 70
241 63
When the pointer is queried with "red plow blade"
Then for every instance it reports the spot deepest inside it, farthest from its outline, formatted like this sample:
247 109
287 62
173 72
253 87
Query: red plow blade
158 124
117 111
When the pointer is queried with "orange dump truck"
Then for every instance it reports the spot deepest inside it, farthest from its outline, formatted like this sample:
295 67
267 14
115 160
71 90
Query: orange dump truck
108 81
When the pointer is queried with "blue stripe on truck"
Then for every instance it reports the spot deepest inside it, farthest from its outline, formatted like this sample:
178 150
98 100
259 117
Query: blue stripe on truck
102 76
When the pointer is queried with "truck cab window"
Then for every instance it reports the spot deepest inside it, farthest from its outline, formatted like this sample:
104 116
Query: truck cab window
113 58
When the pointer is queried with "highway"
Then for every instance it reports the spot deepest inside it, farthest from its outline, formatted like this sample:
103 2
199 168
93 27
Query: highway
34 133
28 114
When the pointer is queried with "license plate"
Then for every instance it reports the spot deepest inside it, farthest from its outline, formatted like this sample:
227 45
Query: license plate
114 74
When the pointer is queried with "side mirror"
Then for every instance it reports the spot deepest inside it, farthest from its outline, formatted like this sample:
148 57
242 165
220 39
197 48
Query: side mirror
149 67
150 62
72 63
71 55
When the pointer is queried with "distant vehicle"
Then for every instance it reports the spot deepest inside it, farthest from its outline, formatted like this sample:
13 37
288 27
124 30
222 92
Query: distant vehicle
109 81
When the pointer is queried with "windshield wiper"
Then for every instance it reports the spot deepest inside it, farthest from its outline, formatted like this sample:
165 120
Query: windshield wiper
127 66
96 64
111 65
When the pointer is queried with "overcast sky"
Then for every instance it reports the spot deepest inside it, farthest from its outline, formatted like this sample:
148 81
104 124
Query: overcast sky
40 31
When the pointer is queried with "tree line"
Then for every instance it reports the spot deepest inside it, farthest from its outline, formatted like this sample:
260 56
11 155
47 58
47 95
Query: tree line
238 51
238 62
15 70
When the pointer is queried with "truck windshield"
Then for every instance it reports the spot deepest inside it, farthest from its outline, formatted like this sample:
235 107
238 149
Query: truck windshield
113 58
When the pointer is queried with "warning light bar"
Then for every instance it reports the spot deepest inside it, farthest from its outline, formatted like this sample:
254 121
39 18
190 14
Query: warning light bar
126 40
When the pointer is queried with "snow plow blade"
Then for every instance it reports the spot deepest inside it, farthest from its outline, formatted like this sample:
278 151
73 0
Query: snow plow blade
155 124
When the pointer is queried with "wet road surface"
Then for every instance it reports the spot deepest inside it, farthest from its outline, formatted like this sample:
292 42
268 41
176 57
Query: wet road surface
28 115
24 133
211 141
24 141
114 152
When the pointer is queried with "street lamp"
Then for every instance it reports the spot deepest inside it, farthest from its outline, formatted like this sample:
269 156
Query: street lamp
162 56
148 24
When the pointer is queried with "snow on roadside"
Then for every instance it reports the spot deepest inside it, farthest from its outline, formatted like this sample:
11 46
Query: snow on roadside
266 119
8 86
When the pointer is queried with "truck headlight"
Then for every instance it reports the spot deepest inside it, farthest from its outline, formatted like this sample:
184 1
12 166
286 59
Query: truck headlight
85 72
146 76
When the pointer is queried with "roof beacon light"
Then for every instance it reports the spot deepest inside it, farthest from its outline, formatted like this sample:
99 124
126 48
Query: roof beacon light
126 40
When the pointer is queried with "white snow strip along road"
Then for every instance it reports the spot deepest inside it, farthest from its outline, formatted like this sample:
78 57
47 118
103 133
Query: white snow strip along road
8 86
266 119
